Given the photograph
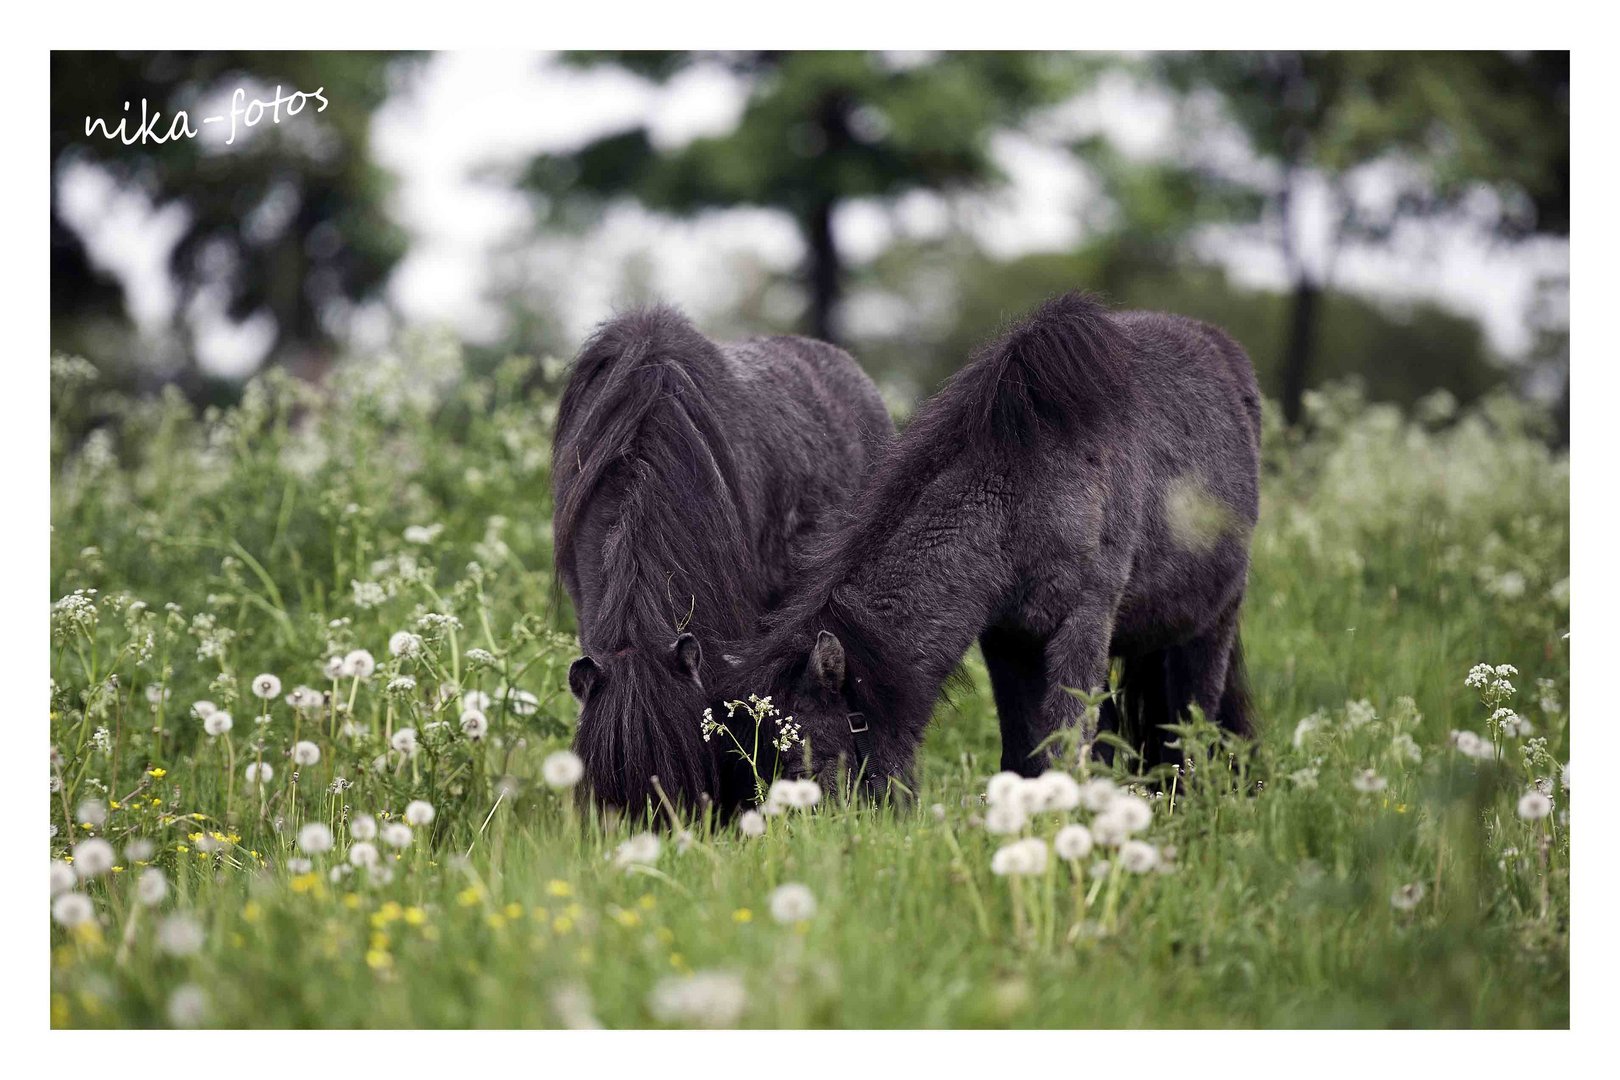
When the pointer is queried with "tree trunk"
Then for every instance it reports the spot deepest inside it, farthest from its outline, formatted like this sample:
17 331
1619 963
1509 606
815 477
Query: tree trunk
1300 348
824 272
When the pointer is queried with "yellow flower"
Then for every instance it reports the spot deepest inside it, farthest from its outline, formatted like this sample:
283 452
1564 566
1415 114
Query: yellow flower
627 918
379 941
559 888
252 912
495 919
306 883
59 1008
112 804
664 935
514 910
351 901
378 959
415 916
646 902
562 924
118 869
469 896
741 915
157 774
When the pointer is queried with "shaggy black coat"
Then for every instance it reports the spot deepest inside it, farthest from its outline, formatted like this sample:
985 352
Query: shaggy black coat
1083 489
689 477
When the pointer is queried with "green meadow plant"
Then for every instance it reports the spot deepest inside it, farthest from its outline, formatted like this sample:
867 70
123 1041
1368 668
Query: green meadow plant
309 730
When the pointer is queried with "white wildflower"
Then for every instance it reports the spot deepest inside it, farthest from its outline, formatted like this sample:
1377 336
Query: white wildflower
188 1007
404 741
1021 858
708 999
1533 805
562 769
266 686
92 858
364 853
315 838
1097 794
305 753
1002 788
363 827
751 823
62 876
1407 896
358 664
259 772
1138 857
1072 842
91 812
419 812
1135 812
640 849
72 909
202 710
405 644
1059 791
180 935
1368 782
474 725
397 834
1004 819
152 887
218 722
792 903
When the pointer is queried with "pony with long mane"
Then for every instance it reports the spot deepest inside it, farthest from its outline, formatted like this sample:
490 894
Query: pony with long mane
689 477
1083 489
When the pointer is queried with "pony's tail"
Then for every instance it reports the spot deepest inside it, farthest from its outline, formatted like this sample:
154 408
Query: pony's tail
1067 363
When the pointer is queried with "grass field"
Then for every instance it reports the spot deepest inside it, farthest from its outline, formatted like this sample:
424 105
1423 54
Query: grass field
1362 865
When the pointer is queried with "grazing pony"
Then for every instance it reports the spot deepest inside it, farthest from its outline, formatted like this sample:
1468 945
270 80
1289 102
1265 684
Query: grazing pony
688 477
1083 489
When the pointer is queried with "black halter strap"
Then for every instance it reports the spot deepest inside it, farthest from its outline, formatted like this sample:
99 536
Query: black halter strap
863 747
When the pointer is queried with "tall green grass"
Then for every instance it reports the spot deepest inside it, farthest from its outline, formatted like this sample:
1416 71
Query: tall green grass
1394 554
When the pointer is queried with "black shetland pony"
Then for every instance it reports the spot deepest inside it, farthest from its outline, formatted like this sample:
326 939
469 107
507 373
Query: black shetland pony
689 477
1084 489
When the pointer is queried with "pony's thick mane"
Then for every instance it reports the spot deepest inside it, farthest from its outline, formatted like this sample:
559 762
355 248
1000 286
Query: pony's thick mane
642 413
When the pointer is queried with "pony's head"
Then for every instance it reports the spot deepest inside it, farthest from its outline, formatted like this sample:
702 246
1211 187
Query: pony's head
847 729
641 715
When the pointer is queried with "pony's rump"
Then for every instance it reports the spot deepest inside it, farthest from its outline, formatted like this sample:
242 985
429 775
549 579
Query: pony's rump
1065 364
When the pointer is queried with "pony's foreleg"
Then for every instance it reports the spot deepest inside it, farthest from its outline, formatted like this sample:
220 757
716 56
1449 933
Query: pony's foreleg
1016 661
1076 659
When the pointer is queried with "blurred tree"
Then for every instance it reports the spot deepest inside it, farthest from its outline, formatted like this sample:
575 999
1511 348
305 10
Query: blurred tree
1392 135
287 222
818 128
954 298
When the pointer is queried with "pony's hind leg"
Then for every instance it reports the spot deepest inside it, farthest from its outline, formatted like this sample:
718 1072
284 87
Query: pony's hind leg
1201 672
1016 660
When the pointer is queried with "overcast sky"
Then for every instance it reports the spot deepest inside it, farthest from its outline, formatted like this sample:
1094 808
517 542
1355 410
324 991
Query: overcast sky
466 112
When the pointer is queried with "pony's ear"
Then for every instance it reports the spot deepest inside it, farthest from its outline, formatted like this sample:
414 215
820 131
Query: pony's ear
688 655
583 675
827 662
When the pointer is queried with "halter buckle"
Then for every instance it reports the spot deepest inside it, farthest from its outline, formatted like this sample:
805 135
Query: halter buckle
857 722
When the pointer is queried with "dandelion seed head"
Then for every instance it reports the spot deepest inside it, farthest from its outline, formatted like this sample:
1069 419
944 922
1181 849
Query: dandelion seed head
404 741
405 644
707 999
180 935
152 887
259 772
419 812
562 769
474 725
218 722
1021 858
397 835
188 1007
751 823
92 858
641 849
305 753
266 686
358 664
1407 896
315 838
792 903
1138 856
364 853
62 877
72 909
1072 842
1534 805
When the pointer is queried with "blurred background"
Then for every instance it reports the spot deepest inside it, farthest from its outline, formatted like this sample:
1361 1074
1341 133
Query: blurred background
1401 219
